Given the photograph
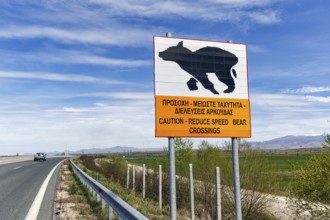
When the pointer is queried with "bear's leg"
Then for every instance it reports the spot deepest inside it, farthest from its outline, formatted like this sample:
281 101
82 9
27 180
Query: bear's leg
192 84
226 78
207 84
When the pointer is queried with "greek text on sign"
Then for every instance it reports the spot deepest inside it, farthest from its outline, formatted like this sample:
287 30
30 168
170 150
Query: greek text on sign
201 89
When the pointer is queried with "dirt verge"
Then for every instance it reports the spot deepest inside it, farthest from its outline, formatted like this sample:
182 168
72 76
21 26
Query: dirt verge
69 201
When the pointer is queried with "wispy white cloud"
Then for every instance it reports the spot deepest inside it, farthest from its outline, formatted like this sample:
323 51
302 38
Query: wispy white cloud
100 104
120 95
114 36
98 60
243 3
109 24
110 19
256 48
306 90
278 100
291 103
264 17
77 57
135 95
321 99
74 110
50 55
57 77
212 10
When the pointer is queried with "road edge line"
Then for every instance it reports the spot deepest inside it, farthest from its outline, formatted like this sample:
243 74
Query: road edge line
35 207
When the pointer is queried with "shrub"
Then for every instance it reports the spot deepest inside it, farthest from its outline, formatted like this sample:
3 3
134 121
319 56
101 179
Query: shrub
326 143
183 155
311 185
114 167
312 181
207 158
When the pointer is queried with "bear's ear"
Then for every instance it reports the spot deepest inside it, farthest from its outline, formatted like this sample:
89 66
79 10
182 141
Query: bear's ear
180 44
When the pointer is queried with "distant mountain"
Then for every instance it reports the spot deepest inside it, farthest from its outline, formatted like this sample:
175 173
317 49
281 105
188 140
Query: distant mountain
116 149
282 143
290 142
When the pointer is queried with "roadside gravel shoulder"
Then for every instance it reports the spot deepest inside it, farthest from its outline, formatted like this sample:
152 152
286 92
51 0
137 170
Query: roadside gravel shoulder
69 203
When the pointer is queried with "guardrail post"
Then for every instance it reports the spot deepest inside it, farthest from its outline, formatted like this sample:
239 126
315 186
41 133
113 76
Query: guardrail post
127 183
133 177
143 181
103 203
110 213
192 200
160 199
98 197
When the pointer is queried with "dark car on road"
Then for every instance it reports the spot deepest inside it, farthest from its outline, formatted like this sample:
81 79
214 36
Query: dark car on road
40 156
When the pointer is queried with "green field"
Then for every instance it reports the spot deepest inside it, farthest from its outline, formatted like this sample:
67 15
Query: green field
284 166
281 163
278 162
286 163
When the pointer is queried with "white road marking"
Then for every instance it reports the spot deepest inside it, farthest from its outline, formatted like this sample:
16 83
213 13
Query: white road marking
17 168
35 207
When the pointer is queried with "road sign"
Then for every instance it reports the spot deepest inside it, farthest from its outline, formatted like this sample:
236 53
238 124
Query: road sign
201 88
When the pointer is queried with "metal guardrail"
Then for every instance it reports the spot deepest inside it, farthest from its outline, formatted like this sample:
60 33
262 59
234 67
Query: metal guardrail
123 209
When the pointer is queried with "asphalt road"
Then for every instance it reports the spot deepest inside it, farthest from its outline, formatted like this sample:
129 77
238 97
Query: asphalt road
19 185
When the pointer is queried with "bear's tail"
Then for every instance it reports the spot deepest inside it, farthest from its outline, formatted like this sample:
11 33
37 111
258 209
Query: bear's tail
234 73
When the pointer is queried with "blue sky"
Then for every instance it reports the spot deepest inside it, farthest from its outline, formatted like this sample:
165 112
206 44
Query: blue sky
77 74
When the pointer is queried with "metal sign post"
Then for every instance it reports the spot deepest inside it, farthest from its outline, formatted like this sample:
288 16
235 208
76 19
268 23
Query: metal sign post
172 178
237 186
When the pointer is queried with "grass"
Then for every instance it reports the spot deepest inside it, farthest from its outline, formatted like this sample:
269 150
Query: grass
73 189
280 162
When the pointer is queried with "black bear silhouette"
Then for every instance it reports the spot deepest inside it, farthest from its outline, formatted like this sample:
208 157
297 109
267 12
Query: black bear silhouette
203 61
